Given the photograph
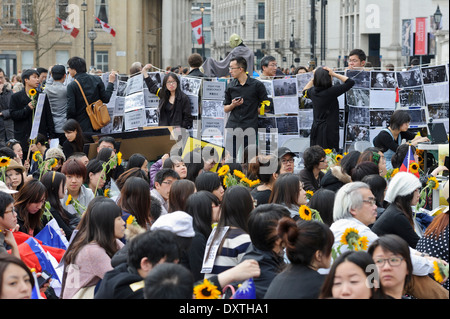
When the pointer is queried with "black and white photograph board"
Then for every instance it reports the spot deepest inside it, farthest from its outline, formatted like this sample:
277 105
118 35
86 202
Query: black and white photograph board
411 97
134 102
151 100
135 84
302 80
361 78
358 115
287 124
152 117
305 119
285 87
380 118
410 78
356 132
135 119
269 87
418 117
438 112
383 80
190 86
434 74
212 108
285 105
213 90
267 123
358 97
194 104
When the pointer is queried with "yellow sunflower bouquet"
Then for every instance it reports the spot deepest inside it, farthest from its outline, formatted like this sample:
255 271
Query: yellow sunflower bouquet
352 240
440 272
432 184
44 166
107 167
307 213
237 178
206 290
4 163
80 209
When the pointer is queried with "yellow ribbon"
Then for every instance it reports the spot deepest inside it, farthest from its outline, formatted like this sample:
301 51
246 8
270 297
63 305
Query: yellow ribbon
263 107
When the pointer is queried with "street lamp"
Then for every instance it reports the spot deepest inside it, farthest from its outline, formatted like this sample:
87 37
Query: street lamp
92 35
202 9
84 9
437 18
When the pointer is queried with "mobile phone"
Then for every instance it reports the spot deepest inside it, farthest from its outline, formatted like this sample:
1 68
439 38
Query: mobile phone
237 98
44 278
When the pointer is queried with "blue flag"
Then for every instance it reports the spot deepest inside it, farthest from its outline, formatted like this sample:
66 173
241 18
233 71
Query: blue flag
51 236
246 290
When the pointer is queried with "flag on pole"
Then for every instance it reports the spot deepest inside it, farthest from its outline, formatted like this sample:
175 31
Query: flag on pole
197 28
106 27
35 293
25 29
68 28
408 161
246 290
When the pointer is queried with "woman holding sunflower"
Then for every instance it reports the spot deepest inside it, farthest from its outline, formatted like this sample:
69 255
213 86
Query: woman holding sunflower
398 218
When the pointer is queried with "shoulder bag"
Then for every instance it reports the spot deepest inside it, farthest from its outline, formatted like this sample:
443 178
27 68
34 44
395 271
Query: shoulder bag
97 112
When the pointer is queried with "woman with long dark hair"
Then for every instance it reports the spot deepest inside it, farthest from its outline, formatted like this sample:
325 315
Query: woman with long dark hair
204 207
262 169
288 191
210 181
55 184
89 255
236 207
29 205
174 106
74 138
324 95
179 193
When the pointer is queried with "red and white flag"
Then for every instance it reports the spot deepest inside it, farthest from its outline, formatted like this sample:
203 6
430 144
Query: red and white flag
197 27
25 29
106 27
68 28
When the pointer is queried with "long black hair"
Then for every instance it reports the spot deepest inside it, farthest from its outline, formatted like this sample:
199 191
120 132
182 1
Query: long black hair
199 206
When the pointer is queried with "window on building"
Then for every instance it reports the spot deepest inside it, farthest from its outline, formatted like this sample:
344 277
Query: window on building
27 60
62 56
8 12
27 11
261 31
261 11
61 7
101 11
102 60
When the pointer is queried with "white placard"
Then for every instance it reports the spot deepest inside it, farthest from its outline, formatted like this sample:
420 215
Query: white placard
37 116
134 102
213 90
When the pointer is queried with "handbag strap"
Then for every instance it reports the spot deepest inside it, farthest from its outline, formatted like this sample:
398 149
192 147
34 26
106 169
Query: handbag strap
82 92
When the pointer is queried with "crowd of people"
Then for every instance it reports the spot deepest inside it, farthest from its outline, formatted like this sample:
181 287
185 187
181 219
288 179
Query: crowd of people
343 227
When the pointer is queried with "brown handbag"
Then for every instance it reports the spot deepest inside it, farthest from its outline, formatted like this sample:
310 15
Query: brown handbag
97 112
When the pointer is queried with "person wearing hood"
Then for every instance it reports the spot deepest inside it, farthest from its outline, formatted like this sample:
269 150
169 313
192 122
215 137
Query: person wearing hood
213 68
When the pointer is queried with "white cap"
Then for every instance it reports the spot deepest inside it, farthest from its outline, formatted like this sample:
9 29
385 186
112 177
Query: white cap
5 189
179 223
402 184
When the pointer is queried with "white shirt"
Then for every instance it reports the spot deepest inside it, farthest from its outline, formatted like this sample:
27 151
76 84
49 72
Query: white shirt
421 265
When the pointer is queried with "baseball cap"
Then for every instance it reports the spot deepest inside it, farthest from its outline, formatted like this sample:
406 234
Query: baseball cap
5 189
284 151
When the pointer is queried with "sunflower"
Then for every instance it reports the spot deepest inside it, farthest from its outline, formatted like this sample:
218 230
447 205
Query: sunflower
119 158
69 200
349 236
414 167
225 180
305 212
32 92
395 171
434 184
4 161
246 180
328 151
338 158
437 272
107 192
254 183
239 174
36 155
309 194
223 170
130 219
206 290
363 243
55 162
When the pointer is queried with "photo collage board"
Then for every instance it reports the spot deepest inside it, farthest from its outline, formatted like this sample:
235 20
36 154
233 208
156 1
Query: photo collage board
423 91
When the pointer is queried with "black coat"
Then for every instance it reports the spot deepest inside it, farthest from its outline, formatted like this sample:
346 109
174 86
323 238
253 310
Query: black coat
296 282
180 114
94 89
270 265
22 116
116 284
325 128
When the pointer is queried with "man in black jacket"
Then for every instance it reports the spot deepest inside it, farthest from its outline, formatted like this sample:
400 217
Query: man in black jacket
6 124
93 88
23 107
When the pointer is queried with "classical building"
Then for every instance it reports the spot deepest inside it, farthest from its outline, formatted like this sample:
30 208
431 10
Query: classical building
152 31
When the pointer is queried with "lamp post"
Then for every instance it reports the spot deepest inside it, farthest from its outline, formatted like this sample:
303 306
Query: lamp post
202 9
84 9
437 18
92 35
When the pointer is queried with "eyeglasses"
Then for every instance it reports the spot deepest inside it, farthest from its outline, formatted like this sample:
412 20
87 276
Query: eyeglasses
168 183
285 161
370 201
323 161
11 211
171 82
393 261
274 65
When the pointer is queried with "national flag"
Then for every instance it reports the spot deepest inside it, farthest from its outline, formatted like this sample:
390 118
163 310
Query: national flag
35 293
246 290
51 235
106 27
25 29
68 28
406 165
197 28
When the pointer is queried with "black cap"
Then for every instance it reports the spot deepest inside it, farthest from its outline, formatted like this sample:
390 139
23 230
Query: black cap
284 150
59 69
